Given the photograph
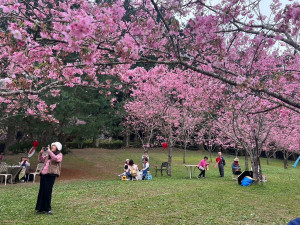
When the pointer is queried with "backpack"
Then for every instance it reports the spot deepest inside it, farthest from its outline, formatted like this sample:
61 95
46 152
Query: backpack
224 163
133 172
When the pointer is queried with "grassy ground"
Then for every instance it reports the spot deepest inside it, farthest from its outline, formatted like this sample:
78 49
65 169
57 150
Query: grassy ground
97 197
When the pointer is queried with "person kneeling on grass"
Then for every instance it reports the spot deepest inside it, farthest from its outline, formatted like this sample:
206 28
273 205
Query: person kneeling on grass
202 166
146 168
236 168
125 168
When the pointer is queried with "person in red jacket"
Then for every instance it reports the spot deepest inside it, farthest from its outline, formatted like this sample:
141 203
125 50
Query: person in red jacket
220 163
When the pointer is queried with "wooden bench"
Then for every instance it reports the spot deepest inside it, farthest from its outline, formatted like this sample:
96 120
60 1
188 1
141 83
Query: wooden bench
164 166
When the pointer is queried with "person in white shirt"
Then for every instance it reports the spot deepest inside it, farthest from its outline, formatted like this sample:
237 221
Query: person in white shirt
144 157
146 168
24 162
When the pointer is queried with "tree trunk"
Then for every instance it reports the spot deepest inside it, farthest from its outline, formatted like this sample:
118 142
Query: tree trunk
184 153
10 138
285 163
285 160
170 161
274 155
127 139
246 161
256 168
210 155
268 155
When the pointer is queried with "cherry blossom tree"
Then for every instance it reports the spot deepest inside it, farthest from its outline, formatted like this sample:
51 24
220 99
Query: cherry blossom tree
170 101
285 137
47 44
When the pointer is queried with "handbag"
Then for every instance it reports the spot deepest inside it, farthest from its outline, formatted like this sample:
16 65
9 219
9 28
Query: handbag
201 168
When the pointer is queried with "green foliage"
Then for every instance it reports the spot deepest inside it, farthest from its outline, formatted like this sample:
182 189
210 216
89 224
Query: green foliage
110 144
80 144
20 147
83 113
113 144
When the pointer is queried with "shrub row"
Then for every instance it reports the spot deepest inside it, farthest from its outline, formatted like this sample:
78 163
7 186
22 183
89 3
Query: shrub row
113 144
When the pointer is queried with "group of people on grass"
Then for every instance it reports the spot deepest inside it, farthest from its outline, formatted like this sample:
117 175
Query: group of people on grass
131 170
220 163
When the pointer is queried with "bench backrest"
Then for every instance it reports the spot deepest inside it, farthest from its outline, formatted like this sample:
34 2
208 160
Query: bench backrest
3 168
39 167
164 165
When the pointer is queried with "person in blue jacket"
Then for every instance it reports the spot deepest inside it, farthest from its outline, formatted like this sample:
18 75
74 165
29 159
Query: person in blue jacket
146 168
236 168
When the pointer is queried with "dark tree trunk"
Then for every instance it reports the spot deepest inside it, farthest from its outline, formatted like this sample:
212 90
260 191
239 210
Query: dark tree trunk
268 155
285 159
184 153
256 168
210 155
10 138
127 139
246 161
170 161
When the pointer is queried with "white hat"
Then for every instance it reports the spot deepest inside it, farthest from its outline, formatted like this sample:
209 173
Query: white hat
58 145
236 160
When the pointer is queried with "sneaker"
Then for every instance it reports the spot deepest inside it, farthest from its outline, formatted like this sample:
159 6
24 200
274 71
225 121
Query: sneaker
50 212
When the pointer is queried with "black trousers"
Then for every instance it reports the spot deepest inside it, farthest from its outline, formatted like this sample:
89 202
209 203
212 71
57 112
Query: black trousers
221 170
202 173
237 172
45 193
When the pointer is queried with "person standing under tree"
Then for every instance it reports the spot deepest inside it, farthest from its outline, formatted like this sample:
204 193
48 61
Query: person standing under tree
51 170
144 157
220 163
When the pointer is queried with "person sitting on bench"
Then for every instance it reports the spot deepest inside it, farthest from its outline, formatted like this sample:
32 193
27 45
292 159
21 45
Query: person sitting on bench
236 168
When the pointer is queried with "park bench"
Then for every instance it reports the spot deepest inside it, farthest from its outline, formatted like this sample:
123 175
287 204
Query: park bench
164 166
4 173
37 171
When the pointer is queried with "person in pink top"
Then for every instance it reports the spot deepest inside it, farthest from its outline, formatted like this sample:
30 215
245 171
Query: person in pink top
52 167
202 166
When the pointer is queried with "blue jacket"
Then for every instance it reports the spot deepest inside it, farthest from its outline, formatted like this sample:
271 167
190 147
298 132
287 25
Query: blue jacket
235 167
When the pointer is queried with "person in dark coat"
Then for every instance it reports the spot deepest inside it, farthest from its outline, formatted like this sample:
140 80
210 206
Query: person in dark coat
220 163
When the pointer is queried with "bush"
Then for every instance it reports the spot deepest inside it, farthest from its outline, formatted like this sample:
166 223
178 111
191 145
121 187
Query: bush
20 147
110 144
2 146
80 144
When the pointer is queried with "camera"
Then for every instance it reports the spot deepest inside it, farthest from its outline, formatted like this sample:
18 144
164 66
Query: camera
46 149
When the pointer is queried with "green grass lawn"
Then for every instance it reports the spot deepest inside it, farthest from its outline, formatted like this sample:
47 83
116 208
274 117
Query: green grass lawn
165 200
